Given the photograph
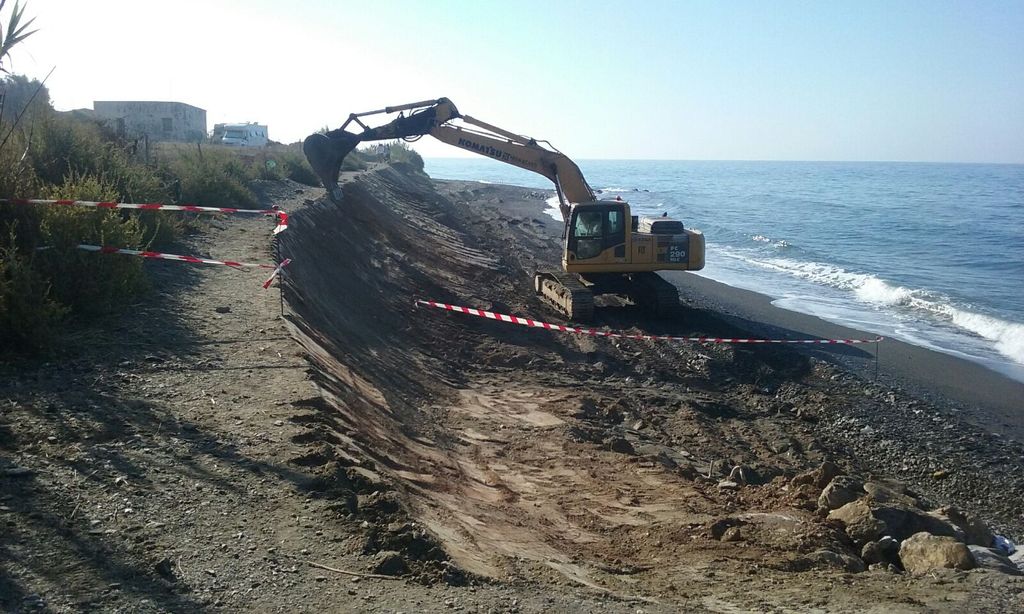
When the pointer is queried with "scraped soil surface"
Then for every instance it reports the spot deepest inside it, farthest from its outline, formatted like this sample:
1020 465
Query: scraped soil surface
206 452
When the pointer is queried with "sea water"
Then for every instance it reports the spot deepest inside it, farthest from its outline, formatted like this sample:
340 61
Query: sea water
932 254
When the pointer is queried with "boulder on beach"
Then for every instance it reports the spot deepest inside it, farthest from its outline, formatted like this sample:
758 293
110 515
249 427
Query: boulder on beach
924 552
841 490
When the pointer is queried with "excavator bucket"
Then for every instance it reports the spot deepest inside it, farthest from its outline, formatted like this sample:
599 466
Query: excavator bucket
325 153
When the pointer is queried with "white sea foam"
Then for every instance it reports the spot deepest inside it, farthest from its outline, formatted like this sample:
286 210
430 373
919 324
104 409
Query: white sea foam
553 211
1006 337
781 243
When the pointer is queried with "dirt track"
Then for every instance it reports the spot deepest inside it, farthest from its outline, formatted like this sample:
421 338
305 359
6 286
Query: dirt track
491 467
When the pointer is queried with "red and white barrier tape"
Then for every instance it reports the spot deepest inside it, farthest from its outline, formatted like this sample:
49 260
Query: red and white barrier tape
276 272
282 217
501 317
105 249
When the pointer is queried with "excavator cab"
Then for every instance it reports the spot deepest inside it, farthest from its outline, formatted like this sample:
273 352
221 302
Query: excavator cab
597 232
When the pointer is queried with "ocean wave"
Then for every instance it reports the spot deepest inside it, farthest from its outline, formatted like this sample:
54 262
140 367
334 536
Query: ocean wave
781 243
1006 337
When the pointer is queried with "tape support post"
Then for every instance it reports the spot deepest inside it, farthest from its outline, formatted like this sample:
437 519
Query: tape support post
501 317
282 217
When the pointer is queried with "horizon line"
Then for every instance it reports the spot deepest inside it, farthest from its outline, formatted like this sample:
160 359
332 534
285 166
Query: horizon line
1021 163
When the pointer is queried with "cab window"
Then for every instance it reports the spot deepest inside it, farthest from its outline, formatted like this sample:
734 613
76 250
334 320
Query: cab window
589 224
614 223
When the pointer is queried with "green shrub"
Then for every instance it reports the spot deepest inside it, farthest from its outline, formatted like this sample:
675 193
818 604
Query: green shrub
401 153
297 169
212 179
86 281
28 314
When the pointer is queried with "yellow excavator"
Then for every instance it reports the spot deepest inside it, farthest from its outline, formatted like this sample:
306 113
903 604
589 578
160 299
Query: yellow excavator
605 249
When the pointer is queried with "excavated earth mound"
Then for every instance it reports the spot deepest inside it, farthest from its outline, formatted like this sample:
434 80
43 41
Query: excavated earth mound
477 450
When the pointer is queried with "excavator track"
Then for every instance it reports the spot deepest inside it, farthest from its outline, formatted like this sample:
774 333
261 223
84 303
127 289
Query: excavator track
655 293
566 293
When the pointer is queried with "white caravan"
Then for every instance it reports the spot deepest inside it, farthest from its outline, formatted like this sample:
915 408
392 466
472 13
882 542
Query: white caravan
244 135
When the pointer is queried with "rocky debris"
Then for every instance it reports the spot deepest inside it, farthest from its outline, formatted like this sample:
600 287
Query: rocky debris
989 558
924 552
885 551
841 490
620 445
718 529
820 477
971 529
835 560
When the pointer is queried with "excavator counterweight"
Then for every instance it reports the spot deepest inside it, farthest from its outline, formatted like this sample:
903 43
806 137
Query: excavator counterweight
604 250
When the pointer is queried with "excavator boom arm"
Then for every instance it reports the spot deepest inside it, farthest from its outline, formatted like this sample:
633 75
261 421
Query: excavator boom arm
326 152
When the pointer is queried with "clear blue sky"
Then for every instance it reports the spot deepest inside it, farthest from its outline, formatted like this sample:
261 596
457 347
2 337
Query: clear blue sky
773 80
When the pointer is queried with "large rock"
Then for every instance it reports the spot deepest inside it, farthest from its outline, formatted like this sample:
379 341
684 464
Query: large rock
973 530
892 492
858 521
866 520
841 490
993 559
924 552
902 521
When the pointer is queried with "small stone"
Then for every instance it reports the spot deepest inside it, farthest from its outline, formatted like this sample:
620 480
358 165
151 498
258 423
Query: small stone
732 534
882 552
728 485
941 473
223 309
390 563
